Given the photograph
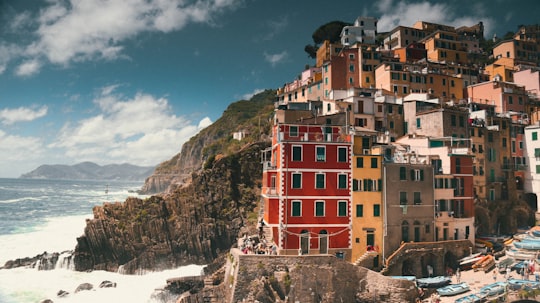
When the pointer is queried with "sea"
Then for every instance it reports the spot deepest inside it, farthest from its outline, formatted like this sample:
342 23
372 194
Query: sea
38 216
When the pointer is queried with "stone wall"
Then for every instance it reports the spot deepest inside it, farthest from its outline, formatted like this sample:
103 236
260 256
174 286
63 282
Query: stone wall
413 258
322 278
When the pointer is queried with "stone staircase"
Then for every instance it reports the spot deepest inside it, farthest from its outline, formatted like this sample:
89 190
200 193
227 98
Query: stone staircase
366 260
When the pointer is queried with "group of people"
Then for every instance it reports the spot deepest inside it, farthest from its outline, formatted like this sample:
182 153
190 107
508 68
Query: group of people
251 245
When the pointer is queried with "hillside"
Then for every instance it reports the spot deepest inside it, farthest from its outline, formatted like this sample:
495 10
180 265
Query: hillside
251 116
90 171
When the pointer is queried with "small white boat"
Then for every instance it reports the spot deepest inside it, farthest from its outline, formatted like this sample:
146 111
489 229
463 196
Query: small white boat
493 289
453 289
433 282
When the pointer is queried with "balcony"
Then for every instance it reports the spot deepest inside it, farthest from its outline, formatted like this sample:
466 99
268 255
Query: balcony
267 165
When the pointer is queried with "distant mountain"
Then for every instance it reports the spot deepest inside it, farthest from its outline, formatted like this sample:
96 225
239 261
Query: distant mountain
91 171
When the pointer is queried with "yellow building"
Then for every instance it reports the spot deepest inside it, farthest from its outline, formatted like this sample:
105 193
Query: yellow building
445 46
367 202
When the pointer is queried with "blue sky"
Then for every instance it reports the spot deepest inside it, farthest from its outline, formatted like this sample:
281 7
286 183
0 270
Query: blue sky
128 81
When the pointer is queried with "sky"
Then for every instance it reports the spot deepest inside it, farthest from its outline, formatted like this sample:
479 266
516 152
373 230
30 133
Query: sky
129 81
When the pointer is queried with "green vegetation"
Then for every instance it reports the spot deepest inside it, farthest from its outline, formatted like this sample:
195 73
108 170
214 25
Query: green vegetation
330 31
253 116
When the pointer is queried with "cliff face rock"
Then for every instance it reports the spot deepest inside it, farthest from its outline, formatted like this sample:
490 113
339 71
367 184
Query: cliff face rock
250 117
190 225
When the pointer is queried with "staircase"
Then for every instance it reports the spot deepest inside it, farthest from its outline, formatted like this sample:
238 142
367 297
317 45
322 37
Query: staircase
366 260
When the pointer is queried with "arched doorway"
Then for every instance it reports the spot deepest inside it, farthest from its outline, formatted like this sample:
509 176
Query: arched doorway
323 242
304 242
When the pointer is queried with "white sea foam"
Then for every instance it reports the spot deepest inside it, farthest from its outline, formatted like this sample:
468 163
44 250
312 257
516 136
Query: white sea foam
53 235
24 285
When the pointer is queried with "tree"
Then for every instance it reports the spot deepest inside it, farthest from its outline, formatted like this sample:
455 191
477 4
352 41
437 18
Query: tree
330 31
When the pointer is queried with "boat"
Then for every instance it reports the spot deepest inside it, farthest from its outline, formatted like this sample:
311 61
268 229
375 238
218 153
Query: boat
484 264
493 289
504 264
516 284
467 264
433 282
408 278
527 244
471 298
521 254
453 289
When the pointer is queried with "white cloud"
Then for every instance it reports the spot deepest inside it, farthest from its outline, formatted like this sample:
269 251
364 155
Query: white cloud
205 123
21 114
28 68
141 130
249 95
275 27
18 153
73 31
274 59
404 13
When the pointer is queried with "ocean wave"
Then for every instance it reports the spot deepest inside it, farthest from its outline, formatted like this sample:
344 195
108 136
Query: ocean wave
40 285
23 199
54 234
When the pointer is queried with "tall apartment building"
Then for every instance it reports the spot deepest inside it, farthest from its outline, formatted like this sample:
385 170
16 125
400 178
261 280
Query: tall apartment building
306 185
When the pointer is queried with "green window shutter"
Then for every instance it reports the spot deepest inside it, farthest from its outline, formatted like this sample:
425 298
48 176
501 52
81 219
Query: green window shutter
359 210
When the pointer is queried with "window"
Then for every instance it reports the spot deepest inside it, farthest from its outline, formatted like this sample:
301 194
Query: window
321 153
417 174
296 210
402 198
351 67
504 142
490 137
418 123
537 153
376 210
296 180
357 185
293 131
534 136
537 169
319 208
342 181
342 154
297 153
359 162
342 208
458 165
402 173
373 162
461 121
453 120
319 181
417 198
359 210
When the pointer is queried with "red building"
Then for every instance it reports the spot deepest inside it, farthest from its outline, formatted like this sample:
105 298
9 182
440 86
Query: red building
306 187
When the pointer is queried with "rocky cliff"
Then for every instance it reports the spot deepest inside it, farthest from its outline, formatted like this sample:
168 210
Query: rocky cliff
190 225
252 117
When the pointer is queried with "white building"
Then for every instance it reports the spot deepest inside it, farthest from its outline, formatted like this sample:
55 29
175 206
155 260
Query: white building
364 30
532 153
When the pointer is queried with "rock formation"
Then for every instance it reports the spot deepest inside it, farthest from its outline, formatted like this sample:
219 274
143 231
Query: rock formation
250 117
191 225
270 279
